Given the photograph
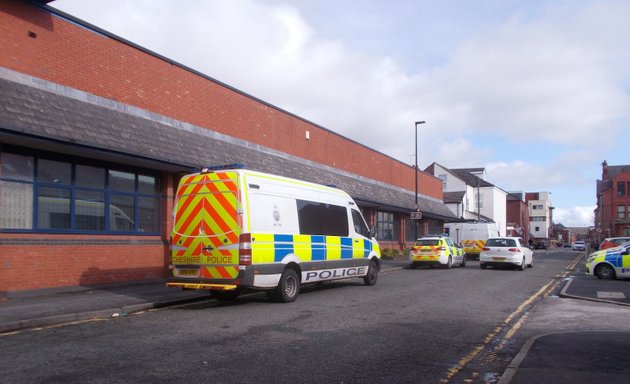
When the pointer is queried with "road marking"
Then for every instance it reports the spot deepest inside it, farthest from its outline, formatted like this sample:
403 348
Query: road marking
509 326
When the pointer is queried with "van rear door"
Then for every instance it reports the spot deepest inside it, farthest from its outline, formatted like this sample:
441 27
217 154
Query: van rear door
206 228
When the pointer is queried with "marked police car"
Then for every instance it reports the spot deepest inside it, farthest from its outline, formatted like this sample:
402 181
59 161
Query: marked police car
436 250
610 263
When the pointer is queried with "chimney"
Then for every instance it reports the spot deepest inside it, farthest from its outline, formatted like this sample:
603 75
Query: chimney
604 170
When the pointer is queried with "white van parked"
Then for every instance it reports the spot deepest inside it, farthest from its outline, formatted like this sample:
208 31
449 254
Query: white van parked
237 229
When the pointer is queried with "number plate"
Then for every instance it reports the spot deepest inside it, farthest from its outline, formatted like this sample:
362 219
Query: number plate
187 272
498 258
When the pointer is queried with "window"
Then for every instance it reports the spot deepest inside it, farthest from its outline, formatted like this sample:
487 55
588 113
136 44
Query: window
359 224
621 212
443 178
384 226
322 219
410 229
538 207
500 243
480 201
536 218
621 188
48 195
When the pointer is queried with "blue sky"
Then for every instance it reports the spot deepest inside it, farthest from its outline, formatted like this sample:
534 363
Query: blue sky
538 92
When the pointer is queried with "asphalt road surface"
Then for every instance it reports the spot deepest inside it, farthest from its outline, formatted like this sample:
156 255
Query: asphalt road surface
414 326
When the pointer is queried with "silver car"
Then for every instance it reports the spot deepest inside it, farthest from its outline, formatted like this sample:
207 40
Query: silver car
506 251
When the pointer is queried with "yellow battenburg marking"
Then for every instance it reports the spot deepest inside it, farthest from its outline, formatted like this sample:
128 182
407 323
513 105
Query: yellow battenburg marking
263 248
333 248
625 261
357 248
302 247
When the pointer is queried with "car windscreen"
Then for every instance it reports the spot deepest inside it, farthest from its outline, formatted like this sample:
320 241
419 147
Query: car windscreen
427 242
500 243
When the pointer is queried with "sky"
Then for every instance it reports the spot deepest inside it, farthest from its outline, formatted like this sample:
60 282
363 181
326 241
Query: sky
537 92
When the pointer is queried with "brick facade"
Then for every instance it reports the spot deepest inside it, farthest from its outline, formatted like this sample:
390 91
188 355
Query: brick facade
37 42
612 215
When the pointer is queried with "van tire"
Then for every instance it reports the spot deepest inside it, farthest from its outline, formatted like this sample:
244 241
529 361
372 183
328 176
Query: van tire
288 288
372 274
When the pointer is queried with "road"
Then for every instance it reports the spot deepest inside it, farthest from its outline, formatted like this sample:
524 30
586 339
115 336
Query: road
462 325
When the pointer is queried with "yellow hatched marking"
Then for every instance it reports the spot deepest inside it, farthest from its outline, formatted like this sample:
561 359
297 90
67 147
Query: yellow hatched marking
357 249
262 248
333 248
302 247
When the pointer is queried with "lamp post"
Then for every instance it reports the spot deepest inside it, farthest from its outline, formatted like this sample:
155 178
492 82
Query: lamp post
416 180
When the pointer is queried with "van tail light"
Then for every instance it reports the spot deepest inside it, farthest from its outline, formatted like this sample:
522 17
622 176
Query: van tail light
245 249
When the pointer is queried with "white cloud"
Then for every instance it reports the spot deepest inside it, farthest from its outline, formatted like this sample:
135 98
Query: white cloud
553 78
574 216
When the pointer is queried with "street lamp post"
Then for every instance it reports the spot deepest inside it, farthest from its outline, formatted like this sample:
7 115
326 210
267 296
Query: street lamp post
416 180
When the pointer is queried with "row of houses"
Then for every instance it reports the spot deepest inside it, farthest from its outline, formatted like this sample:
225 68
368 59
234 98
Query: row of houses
470 197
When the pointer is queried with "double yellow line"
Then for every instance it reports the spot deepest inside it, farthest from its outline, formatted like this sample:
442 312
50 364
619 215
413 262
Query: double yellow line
509 325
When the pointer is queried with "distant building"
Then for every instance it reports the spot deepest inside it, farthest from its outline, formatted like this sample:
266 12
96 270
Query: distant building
469 196
517 216
540 214
612 215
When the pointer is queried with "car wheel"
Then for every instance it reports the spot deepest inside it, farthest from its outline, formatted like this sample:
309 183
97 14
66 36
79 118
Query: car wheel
483 266
449 263
288 288
522 266
372 274
531 265
605 271
463 264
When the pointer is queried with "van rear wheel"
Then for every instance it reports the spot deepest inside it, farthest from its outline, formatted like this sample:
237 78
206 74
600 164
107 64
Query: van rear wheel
372 274
288 288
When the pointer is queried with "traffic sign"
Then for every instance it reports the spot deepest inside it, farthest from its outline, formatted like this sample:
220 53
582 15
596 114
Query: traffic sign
417 215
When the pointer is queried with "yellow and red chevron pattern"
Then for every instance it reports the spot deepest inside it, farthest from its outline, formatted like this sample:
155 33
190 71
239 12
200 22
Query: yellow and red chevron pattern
206 220
473 246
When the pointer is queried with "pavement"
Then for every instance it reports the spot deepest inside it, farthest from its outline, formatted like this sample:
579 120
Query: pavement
551 358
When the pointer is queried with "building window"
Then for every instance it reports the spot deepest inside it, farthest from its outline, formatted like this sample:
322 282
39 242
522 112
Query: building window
537 207
621 212
384 226
443 178
536 218
621 188
537 229
47 195
480 201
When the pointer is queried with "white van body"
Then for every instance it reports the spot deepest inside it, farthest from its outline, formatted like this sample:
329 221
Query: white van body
472 236
237 229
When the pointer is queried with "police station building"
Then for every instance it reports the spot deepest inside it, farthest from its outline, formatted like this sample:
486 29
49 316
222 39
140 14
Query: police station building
95 133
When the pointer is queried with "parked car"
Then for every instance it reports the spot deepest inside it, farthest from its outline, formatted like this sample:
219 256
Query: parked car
437 250
610 263
506 251
611 242
579 246
542 244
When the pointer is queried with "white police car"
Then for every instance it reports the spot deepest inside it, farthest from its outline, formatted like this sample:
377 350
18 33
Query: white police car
610 263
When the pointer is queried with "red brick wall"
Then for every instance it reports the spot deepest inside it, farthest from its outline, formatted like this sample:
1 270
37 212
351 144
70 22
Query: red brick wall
73 56
84 260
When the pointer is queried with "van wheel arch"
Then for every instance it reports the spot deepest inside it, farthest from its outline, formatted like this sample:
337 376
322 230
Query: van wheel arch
289 285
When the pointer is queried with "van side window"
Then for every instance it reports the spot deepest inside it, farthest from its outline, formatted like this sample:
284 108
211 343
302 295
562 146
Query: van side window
359 224
322 219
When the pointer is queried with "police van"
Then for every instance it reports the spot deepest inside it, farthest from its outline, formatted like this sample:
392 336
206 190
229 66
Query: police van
237 229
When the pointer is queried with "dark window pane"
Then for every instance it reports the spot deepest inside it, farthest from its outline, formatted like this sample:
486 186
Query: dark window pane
57 172
147 185
16 167
16 205
309 217
53 210
122 181
89 210
359 224
334 220
121 217
149 214
92 177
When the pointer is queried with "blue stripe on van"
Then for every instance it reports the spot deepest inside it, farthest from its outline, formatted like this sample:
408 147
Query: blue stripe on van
367 248
318 248
346 248
283 246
